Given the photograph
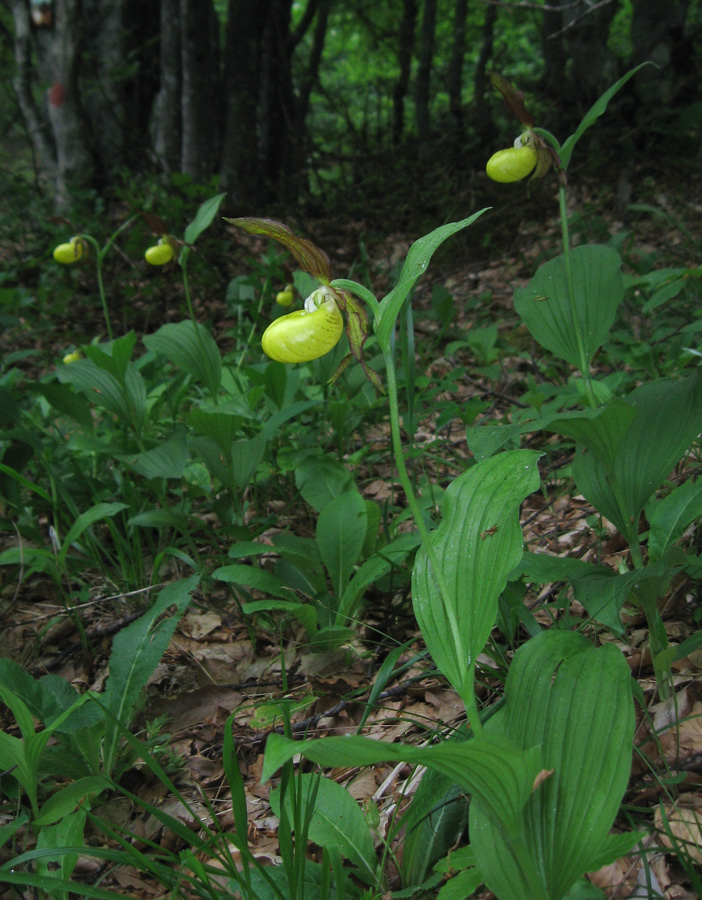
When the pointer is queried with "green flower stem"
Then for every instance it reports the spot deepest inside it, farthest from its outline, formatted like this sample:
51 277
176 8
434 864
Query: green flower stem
99 256
468 693
584 364
264 294
191 309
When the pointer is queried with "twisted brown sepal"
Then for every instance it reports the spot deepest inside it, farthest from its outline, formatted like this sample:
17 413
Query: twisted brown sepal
155 223
308 255
357 329
514 99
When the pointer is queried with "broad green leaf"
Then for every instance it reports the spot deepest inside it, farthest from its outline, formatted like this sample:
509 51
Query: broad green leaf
65 401
250 576
246 456
320 478
435 820
125 398
114 356
341 530
668 518
337 820
415 265
601 431
669 418
192 348
203 218
136 651
595 111
85 520
221 425
477 545
545 307
575 702
168 460
488 768
65 800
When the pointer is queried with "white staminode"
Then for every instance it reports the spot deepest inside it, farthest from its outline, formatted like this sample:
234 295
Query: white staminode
322 295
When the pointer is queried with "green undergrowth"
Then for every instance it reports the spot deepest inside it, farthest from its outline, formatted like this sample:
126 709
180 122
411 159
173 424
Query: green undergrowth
180 459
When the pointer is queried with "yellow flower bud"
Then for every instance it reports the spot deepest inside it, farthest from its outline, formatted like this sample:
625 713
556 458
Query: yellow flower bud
72 357
307 333
512 164
67 254
286 297
160 254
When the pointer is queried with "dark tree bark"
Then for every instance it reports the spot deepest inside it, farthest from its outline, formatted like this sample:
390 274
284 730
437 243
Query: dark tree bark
658 34
480 82
405 51
422 90
201 91
167 123
36 124
74 159
553 50
591 66
241 172
277 110
455 69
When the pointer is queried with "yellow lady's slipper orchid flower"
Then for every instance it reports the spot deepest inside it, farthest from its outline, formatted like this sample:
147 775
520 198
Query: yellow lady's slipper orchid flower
67 254
307 333
514 163
72 357
286 297
160 254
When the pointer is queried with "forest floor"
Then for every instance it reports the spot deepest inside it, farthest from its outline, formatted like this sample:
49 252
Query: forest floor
214 666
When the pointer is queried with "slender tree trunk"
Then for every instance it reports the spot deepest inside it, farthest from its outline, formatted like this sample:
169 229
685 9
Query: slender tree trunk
455 70
36 124
241 172
405 50
426 54
74 159
277 110
201 90
553 79
480 82
167 125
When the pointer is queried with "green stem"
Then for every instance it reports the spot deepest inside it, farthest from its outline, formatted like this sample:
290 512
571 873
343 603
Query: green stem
584 364
191 309
99 256
467 693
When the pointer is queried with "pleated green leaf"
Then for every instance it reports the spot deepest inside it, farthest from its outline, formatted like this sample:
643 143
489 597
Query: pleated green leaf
669 517
415 265
477 545
192 348
668 419
545 308
341 530
490 768
575 702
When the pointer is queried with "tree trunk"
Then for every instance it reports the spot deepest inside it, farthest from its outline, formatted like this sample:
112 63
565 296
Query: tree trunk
426 55
201 89
167 123
277 110
74 160
36 124
485 125
658 34
405 50
592 67
455 70
241 172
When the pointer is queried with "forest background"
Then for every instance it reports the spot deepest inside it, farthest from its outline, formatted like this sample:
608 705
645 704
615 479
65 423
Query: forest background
324 104
362 126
